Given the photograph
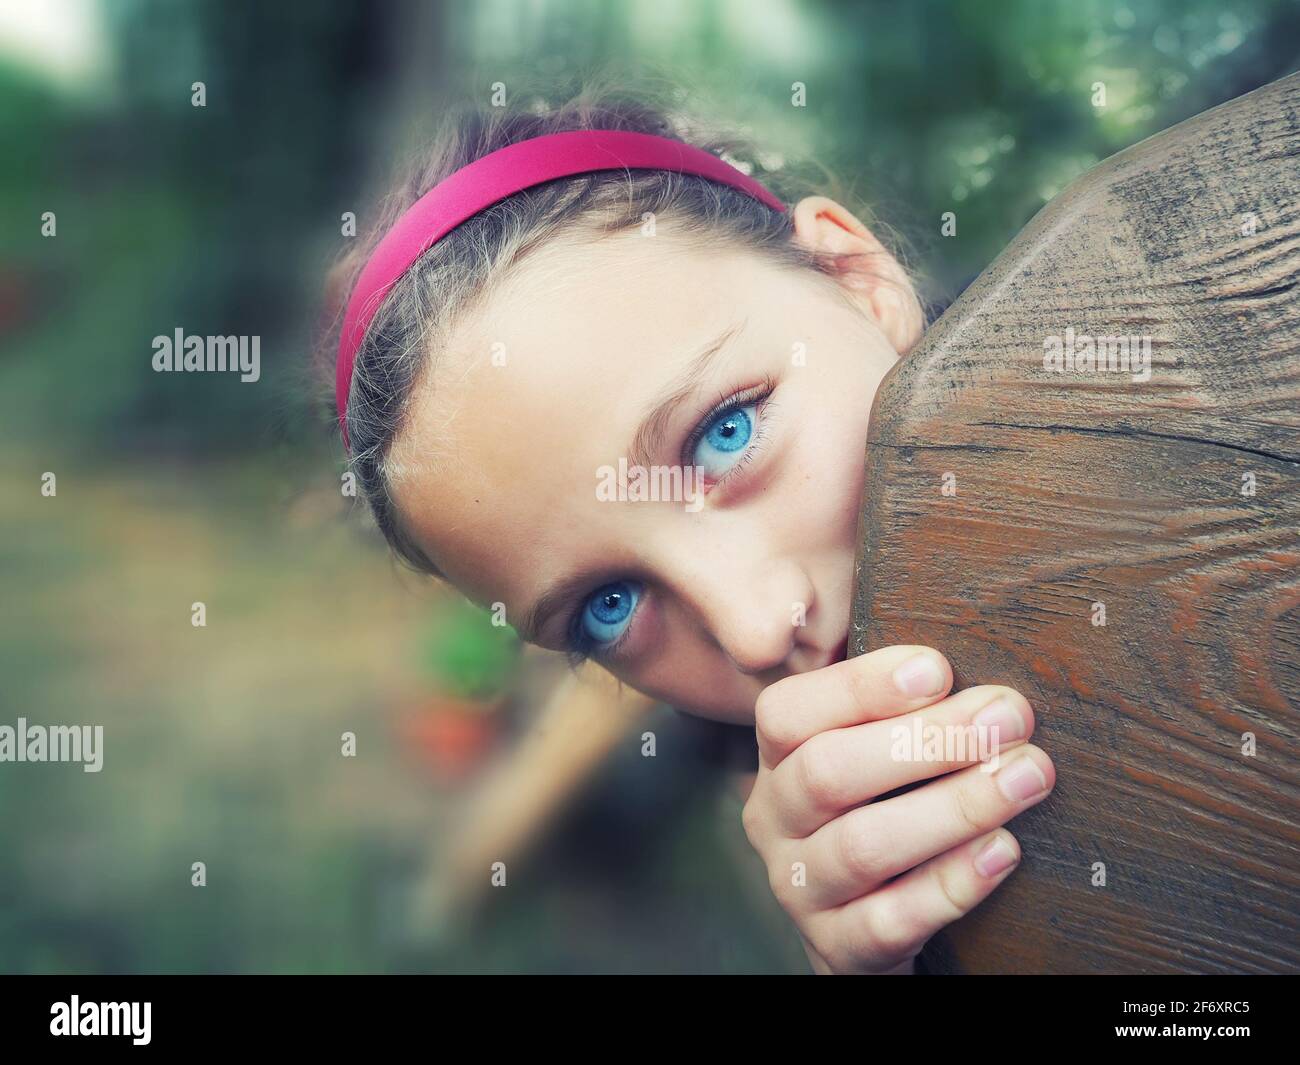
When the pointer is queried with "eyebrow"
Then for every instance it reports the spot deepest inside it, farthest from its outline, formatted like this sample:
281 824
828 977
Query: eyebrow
550 601
649 437
646 443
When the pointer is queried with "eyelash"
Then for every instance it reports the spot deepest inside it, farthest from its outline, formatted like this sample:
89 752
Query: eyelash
582 648
757 395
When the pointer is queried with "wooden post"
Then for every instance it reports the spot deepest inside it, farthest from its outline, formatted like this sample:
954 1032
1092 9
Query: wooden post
1121 541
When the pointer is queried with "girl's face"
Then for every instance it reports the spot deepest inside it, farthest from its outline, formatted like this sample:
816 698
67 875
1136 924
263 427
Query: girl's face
662 353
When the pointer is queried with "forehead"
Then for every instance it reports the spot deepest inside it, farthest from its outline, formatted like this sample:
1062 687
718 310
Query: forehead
544 383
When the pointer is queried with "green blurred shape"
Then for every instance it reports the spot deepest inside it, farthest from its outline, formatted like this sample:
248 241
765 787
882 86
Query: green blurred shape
467 655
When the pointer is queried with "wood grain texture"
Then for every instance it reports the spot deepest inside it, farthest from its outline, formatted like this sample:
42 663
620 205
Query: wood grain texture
1082 487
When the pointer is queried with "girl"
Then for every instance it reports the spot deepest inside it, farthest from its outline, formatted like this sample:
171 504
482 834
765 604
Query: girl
562 293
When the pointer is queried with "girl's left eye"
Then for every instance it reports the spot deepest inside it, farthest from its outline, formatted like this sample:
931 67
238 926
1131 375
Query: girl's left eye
724 439
607 614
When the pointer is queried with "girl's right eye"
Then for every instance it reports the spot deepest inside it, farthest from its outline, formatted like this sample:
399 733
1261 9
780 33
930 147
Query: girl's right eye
606 614
724 439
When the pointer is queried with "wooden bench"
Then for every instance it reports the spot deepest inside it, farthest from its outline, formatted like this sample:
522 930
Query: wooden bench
1124 549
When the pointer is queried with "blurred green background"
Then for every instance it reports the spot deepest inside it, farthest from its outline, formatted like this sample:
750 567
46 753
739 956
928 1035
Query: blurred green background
223 742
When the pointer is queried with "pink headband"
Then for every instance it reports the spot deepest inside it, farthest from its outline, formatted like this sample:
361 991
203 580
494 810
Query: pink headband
488 180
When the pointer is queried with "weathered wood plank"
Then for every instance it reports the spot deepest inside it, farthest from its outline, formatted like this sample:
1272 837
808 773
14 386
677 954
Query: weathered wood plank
1087 487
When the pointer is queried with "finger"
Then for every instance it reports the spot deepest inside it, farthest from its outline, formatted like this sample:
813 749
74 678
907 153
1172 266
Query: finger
892 924
886 682
842 768
859 851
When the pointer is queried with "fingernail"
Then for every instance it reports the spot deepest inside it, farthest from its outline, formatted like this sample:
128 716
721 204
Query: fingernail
919 675
1003 720
1021 780
995 858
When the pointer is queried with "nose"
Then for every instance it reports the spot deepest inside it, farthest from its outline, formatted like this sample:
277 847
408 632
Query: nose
753 611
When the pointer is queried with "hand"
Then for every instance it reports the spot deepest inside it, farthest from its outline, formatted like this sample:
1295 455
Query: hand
831 741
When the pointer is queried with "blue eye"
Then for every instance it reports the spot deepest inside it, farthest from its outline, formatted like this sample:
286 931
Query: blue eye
608 611
725 439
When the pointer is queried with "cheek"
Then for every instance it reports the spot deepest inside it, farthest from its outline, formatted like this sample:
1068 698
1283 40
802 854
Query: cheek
827 471
692 675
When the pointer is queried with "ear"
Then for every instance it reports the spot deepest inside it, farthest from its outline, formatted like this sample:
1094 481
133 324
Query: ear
873 276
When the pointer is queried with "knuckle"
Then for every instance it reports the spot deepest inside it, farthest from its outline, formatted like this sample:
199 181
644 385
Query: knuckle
749 819
893 929
818 772
950 891
966 809
772 719
840 957
858 850
777 883
860 683
780 880
829 947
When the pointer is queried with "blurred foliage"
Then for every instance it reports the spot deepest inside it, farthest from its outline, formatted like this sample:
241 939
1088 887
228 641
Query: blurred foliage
223 742
466 655
222 219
